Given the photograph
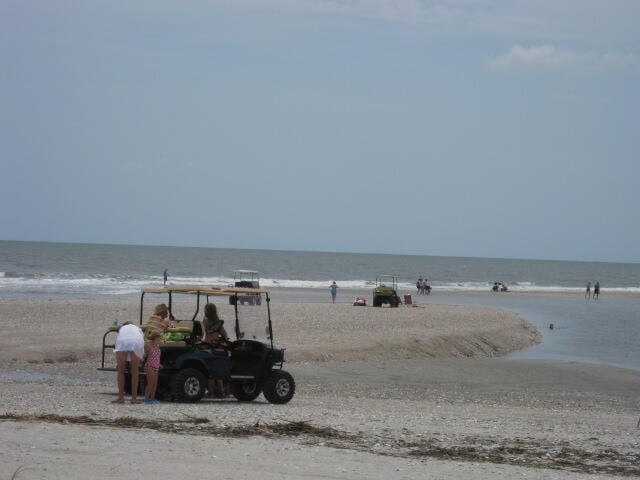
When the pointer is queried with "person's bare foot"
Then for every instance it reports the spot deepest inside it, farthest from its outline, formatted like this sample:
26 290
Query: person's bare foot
118 400
135 401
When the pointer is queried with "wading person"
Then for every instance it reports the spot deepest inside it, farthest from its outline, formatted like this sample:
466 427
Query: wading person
334 291
587 294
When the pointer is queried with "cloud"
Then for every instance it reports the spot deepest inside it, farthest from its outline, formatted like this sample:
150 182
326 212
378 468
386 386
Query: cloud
549 58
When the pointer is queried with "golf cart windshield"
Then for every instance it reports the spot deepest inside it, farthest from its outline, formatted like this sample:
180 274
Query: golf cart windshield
253 322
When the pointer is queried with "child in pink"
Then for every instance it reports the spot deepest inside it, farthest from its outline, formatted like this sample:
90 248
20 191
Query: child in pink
152 366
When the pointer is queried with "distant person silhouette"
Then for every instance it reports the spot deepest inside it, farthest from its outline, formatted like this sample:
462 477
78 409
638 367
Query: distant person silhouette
165 277
587 294
334 290
596 291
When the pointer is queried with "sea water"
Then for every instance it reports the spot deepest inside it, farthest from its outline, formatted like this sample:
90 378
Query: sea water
602 331
87 271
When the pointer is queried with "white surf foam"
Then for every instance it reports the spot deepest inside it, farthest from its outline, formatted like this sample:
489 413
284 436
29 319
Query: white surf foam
109 285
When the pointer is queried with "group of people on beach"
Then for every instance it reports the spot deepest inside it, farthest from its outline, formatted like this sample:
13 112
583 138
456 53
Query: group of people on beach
596 291
143 347
423 287
499 287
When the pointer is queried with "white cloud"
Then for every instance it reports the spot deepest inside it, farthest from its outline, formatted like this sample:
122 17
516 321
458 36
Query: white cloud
547 57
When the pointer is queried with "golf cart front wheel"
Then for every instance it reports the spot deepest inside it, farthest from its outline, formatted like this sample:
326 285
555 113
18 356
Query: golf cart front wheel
188 385
279 387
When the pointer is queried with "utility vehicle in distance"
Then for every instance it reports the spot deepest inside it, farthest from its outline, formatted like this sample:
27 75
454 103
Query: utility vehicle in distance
247 279
385 291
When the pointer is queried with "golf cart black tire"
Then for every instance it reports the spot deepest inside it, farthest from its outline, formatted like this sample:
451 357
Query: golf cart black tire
188 385
279 387
377 302
245 391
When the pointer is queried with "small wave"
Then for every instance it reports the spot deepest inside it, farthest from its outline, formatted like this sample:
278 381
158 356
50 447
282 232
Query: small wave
130 285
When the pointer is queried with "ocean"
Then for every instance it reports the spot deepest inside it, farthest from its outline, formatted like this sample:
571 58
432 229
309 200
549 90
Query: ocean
86 271
603 331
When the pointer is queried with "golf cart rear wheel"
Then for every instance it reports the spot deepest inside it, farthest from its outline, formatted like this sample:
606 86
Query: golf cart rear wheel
279 387
188 385
245 390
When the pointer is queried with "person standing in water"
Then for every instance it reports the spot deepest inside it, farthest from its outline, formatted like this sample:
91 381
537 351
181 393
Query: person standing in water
165 277
596 291
587 294
334 290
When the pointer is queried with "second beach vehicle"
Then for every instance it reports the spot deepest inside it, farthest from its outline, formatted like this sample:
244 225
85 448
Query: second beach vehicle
247 279
249 365
386 291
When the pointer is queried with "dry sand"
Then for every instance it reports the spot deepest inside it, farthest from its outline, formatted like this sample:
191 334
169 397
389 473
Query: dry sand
382 393
59 330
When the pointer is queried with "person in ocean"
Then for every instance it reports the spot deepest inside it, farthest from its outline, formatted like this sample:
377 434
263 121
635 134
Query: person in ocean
165 277
419 285
152 367
334 291
129 344
596 291
587 294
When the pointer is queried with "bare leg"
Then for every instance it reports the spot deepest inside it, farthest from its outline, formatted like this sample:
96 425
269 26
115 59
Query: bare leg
135 364
121 359
152 376
220 388
147 390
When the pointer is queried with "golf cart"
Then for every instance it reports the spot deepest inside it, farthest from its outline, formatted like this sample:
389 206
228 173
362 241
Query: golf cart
385 291
247 279
249 365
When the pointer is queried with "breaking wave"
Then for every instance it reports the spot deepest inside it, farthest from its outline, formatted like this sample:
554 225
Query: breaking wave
13 284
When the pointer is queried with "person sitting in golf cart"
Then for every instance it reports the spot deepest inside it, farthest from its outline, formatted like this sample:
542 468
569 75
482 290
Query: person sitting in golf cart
157 322
214 331
214 335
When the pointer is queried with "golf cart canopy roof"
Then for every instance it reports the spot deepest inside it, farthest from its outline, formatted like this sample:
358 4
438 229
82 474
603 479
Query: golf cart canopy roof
386 275
245 271
210 290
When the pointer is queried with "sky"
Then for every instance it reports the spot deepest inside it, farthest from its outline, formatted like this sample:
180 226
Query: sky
447 127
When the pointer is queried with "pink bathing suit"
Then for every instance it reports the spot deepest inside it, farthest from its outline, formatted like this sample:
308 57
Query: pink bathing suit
153 359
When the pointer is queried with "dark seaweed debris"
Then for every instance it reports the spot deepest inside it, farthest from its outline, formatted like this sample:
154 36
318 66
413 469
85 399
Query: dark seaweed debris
520 452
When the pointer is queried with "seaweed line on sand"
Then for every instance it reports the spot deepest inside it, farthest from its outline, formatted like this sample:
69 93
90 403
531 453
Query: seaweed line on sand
519 452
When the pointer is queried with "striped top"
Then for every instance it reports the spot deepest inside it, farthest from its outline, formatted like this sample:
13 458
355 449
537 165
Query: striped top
155 325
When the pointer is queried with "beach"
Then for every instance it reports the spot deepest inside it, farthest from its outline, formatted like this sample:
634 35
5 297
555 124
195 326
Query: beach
412 392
